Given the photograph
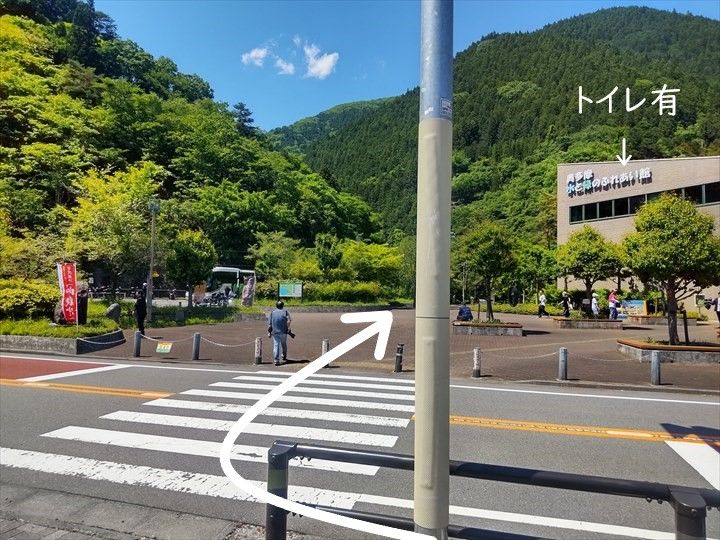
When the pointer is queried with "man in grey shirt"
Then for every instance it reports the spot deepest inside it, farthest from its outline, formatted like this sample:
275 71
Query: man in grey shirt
279 328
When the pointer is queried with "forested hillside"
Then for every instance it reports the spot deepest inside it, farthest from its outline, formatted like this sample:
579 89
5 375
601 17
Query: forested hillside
304 132
516 115
92 128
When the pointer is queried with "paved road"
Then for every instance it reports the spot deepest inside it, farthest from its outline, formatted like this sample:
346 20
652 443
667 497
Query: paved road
150 434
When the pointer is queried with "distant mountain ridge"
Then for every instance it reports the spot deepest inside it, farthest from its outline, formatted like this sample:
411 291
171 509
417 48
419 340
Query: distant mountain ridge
516 102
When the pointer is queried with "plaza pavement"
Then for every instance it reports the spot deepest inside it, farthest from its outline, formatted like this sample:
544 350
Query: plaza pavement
592 354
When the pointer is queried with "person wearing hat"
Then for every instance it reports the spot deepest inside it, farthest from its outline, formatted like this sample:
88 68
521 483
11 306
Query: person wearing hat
612 303
594 306
565 303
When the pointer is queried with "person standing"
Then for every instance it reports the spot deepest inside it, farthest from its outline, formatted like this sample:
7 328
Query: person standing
612 303
279 328
716 305
565 303
541 305
594 306
140 312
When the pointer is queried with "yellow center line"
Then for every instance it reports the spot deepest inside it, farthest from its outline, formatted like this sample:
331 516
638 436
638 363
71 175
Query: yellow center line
584 431
82 389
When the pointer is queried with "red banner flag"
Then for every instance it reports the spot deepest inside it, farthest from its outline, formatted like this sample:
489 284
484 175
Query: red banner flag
68 290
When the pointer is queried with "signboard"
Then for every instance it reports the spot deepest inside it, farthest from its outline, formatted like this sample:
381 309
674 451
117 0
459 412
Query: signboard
68 291
164 346
634 307
290 289
585 182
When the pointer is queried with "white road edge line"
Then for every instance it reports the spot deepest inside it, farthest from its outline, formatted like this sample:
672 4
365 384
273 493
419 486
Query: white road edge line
75 373
220 486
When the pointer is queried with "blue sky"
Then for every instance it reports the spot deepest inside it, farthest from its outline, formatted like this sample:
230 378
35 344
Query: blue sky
290 59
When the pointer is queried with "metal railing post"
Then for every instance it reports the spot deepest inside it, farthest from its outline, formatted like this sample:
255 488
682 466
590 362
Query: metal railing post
137 343
655 367
476 363
562 364
399 357
325 347
279 454
196 346
258 351
690 513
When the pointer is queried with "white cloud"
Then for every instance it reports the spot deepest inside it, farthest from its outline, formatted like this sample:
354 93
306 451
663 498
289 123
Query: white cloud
256 56
319 66
297 40
286 68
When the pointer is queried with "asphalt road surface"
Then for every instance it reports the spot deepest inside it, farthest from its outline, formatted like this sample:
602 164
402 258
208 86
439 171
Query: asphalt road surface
150 434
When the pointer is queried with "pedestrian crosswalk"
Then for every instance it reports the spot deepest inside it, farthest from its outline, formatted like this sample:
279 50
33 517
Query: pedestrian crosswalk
366 413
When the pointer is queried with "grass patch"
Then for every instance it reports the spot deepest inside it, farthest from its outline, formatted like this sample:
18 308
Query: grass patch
44 328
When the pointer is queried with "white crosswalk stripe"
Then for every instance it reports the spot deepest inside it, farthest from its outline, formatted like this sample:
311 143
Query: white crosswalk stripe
307 390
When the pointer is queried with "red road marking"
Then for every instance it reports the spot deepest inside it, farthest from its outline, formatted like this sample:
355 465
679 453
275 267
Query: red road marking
21 368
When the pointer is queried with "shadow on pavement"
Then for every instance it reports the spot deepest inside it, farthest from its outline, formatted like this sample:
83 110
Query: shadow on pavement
709 435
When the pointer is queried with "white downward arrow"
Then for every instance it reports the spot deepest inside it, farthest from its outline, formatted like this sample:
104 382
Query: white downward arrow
624 160
382 322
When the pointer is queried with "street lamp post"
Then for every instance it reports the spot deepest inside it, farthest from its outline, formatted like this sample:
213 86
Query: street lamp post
154 207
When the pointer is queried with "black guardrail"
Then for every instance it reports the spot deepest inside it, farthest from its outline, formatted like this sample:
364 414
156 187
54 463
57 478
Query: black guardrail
690 504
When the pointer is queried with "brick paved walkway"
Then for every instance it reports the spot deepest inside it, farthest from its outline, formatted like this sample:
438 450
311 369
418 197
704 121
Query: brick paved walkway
593 354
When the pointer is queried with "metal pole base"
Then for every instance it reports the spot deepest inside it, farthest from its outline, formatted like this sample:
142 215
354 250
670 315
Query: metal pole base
440 534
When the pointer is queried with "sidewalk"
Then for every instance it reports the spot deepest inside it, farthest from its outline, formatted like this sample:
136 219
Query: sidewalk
592 354
40 514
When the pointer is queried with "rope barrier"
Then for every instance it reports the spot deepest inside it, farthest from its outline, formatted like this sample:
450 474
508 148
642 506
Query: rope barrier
554 353
224 345
101 342
166 340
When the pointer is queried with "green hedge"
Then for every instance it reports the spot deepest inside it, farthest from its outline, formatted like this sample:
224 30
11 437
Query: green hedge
344 291
27 299
340 291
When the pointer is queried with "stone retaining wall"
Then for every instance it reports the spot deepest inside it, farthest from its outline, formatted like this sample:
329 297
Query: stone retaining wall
658 321
61 345
689 355
487 329
563 322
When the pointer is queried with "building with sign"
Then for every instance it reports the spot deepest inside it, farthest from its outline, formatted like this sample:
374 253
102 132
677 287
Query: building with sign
606 195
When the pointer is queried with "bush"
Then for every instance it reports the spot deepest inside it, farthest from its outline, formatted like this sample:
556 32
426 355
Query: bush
522 309
344 291
27 299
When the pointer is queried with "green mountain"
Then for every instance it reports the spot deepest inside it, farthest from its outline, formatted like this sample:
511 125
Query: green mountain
516 115
299 135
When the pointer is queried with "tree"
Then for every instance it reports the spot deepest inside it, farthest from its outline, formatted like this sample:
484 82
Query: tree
675 245
536 265
488 252
273 254
588 257
244 120
372 262
109 225
191 259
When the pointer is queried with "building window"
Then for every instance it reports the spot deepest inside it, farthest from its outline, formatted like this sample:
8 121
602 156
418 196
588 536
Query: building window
712 192
694 194
590 211
605 209
621 207
635 202
576 214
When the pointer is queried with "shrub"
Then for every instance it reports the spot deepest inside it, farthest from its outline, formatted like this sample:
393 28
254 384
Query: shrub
344 291
27 299
523 309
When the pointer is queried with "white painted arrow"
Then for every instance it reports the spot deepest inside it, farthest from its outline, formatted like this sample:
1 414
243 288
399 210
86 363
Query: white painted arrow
624 160
382 322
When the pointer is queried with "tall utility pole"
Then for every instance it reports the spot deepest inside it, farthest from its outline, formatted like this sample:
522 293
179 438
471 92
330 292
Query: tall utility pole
154 207
432 315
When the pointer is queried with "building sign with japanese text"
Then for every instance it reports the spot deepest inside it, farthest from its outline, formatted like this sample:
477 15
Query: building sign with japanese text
68 290
585 182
